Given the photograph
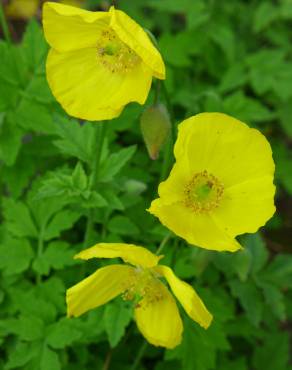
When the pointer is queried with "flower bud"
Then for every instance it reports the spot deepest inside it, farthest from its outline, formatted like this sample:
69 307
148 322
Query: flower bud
155 126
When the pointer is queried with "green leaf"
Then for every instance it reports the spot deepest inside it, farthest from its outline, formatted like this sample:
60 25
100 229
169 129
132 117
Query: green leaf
15 255
63 220
117 317
62 333
75 140
112 165
27 328
49 360
121 225
264 15
250 298
18 219
10 140
273 354
79 178
275 299
56 256
258 251
20 355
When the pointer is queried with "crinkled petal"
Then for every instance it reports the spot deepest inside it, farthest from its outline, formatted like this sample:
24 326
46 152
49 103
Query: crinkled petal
97 289
129 253
159 320
187 296
136 38
225 147
88 90
247 206
197 229
69 28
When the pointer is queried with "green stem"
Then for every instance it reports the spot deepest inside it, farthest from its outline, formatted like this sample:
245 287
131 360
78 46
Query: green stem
100 132
139 356
4 25
107 360
163 242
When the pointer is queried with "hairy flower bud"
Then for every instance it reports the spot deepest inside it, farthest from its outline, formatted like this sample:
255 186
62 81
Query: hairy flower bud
155 126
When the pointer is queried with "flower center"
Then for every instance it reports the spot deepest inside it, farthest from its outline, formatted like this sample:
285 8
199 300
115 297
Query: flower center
203 193
142 284
114 54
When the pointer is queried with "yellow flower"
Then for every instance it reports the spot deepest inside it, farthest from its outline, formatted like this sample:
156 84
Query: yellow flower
221 185
22 9
99 61
156 312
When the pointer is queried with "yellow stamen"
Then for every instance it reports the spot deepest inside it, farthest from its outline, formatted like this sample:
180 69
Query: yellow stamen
203 193
114 54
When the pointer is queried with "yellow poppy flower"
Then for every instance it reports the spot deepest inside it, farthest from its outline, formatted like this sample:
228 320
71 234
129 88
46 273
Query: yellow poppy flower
221 185
22 9
156 312
99 61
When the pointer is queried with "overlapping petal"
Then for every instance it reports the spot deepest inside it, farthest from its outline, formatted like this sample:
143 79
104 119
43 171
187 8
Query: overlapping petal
129 253
88 90
159 321
97 289
70 28
201 230
187 296
136 38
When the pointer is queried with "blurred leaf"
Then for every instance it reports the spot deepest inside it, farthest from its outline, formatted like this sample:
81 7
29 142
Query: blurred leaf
62 333
121 225
61 221
250 298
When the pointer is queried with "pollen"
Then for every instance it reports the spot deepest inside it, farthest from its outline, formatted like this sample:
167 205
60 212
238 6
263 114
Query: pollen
114 54
203 193
143 284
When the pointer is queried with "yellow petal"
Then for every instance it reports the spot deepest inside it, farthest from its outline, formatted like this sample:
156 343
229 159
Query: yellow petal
172 190
225 147
187 296
247 206
198 229
136 38
159 320
69 28
86 89
129 253
97 289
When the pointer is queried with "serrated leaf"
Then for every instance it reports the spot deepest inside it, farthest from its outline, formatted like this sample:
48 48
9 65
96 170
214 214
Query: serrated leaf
121 225
63 220
18 219
112 165
117 316
49 360
258 251
79 178
75 140
15 255
27 328
56 256
62 333
250 298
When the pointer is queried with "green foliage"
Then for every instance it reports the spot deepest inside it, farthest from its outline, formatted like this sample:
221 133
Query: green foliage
229 56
